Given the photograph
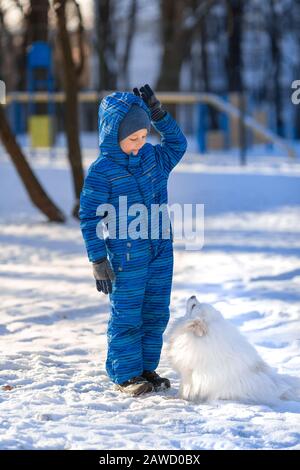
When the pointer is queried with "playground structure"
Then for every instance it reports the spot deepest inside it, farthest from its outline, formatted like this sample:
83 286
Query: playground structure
234 120
40 78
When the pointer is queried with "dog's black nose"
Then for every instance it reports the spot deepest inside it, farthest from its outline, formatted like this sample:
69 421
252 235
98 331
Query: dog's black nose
193 297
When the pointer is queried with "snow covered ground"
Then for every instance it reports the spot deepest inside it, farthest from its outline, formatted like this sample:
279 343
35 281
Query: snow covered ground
54 392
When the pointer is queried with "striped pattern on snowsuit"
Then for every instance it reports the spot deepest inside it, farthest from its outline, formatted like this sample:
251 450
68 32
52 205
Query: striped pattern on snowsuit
144 266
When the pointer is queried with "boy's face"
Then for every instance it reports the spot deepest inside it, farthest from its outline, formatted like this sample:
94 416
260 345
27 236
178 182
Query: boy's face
134 142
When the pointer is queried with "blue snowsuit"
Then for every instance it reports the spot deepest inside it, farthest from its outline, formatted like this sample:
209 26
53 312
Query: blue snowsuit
143 267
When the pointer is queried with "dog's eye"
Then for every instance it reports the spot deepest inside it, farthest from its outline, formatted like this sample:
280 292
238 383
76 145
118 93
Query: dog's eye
194 305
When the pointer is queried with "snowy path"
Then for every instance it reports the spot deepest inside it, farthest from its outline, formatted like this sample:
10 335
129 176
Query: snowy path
53 321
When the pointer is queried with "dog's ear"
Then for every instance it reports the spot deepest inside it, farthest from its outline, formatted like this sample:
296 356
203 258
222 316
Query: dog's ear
198 327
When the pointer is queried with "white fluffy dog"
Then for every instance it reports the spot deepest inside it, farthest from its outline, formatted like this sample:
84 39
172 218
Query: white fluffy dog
216 362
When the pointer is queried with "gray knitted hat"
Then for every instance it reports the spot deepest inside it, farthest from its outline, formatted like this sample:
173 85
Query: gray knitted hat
135 119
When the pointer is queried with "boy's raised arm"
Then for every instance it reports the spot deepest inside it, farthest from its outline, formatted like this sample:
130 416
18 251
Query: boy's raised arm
173 143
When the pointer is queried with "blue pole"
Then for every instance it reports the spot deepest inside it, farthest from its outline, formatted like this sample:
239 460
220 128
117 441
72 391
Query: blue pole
224 125
202 127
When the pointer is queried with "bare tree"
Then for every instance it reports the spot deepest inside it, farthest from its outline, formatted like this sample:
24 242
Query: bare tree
5 41
275 38
131 25
37 21
234 57
205 67
179 21
106 44
34 189
296 28
35 25
71 74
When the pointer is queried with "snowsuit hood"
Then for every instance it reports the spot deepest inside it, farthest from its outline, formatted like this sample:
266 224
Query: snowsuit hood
113 108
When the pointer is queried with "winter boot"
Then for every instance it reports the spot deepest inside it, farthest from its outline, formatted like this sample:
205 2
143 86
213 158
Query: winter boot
159 383
136 386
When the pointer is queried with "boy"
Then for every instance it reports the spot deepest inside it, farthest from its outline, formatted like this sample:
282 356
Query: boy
135 272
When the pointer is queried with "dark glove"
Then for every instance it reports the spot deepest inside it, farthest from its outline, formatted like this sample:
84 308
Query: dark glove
149 98
103 275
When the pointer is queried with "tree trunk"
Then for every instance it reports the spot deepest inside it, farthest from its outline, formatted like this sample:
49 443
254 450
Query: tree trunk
37 21
106 44
128 43
34 189
234 59
212 112
204 59
71 104
276 59
296 28
6 43
35 29
172 40
179 21
235 68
